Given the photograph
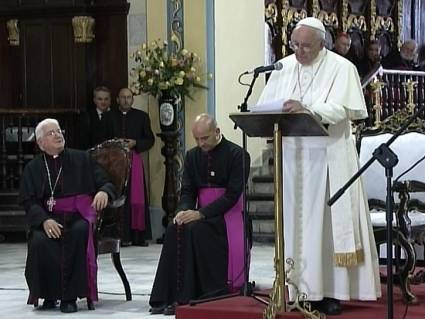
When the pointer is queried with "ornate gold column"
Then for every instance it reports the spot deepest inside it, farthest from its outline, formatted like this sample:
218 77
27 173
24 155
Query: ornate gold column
377 86
83 29
409 86
13 30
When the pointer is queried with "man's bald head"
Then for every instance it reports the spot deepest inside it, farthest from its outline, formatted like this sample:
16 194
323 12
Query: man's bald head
205 132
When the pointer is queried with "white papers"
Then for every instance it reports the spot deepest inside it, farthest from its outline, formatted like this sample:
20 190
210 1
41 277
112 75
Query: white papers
269 106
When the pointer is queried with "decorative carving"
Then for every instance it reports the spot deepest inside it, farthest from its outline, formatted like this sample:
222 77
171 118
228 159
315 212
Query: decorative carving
376 87
83 29
372 19
13 30
358 22
410 88
177 36
270 12
316 8
329 19
290 16
344 16
400 22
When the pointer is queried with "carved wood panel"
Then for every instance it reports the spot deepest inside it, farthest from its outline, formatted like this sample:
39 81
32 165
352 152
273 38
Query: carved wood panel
364 20
47 69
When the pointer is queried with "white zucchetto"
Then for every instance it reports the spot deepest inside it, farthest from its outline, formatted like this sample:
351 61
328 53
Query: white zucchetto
312 23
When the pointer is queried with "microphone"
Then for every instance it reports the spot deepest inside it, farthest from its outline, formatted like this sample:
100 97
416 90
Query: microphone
267 68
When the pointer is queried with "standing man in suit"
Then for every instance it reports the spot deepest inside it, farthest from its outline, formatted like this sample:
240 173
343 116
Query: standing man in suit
134 127
96 124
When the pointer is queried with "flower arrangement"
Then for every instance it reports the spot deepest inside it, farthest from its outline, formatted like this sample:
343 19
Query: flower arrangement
159 71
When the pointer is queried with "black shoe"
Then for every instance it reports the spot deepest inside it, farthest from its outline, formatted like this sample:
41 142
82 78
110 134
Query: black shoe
141 243
328 306
170 310
68 306
126 243
157 310
48 304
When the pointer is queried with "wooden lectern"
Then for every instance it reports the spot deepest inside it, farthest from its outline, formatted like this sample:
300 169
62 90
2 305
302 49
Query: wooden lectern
277 125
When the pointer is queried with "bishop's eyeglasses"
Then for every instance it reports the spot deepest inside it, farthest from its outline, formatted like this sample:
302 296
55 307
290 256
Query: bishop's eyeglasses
54 132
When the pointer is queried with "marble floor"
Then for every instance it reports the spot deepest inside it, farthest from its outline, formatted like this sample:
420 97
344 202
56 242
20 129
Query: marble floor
139 264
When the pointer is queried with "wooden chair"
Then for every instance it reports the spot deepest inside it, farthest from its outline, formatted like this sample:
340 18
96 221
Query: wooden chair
409 221
115 158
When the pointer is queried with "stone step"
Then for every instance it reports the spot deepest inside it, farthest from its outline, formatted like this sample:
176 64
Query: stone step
13 220
261 204
9 197
263 238
263 226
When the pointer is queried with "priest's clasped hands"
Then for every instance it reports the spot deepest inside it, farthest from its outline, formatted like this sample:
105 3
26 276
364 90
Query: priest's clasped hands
187 216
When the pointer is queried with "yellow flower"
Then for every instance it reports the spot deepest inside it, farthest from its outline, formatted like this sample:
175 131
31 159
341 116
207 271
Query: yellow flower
158 70
163 85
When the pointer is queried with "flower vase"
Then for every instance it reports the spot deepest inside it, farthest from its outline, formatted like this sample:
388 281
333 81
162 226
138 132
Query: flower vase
169 107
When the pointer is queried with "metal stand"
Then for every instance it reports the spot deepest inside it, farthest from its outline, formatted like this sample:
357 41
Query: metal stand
388 159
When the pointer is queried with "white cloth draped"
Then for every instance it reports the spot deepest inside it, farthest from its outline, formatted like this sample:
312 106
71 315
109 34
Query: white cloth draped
321 239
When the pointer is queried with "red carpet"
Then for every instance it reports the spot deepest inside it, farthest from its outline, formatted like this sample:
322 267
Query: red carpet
248 308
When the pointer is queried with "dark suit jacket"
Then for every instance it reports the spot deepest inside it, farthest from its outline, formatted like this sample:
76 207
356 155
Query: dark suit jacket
94 131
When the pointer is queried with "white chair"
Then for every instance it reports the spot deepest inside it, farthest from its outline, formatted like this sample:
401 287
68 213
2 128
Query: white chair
409 208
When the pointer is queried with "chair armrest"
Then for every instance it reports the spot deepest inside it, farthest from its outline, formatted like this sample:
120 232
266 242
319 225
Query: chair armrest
117 202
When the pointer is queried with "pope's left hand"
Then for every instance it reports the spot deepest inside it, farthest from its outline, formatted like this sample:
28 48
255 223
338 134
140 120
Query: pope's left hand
100 201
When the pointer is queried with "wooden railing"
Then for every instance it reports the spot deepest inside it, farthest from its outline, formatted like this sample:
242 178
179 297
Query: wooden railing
389 91
17 140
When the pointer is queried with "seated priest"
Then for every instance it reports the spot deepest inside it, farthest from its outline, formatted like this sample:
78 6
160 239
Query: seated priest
61 191
194 258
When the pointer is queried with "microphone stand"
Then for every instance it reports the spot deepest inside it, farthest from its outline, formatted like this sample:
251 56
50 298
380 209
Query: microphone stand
248 287
388 159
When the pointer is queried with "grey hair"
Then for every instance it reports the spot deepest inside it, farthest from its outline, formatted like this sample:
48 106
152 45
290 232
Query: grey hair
39 129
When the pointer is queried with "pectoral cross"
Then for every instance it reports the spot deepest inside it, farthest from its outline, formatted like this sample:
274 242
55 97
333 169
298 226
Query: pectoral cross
51 203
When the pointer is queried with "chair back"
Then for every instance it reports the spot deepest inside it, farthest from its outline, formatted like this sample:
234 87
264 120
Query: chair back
114 157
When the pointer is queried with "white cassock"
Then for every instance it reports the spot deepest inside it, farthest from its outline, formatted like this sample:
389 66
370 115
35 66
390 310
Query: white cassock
333 247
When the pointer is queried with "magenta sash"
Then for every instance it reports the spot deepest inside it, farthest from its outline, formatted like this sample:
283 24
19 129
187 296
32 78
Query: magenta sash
82 204
235 235
137 193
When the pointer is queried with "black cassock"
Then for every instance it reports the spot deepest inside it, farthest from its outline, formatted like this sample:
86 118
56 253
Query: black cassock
56 268
193 261
134 124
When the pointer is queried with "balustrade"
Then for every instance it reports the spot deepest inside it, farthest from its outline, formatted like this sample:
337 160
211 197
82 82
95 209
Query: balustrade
17 139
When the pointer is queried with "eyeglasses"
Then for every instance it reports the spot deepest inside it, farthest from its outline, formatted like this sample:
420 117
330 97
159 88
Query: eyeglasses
57 131
296 46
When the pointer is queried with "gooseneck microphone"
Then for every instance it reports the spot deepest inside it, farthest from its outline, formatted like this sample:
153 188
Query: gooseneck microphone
267 68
